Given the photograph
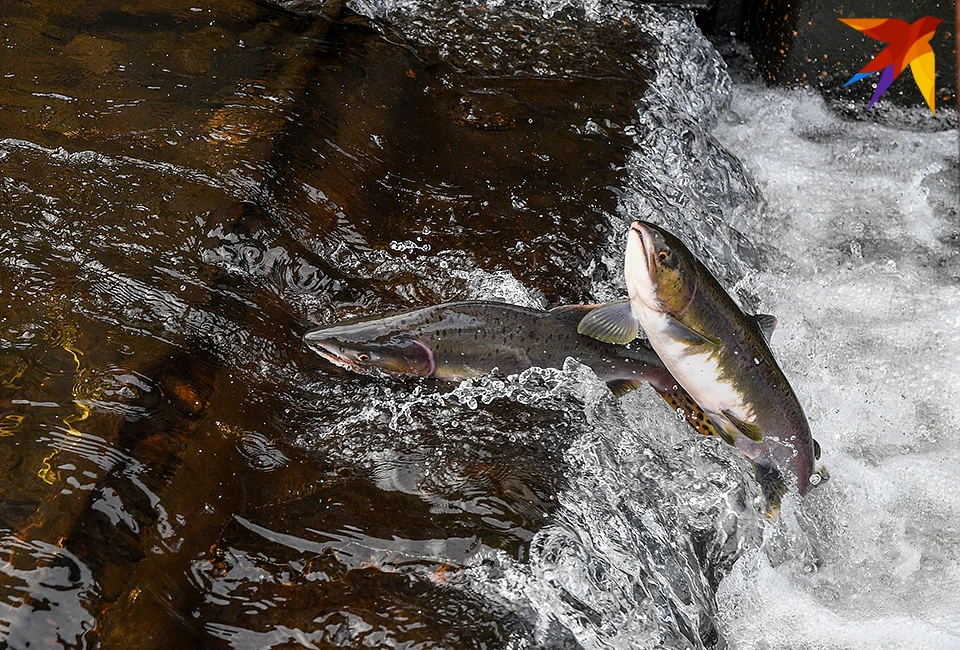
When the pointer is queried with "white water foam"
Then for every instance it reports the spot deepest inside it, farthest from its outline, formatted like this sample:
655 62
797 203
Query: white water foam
861 226
592 9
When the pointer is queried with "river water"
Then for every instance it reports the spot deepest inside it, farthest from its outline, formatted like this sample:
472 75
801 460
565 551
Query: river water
188 189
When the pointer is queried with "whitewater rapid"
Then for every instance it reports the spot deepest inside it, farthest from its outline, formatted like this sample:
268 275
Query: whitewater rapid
862 233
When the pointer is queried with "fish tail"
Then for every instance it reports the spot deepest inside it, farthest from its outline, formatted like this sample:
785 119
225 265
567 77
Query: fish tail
772 486
819 477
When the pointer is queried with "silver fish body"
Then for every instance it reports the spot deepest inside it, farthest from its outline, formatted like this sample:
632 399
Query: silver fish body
468 339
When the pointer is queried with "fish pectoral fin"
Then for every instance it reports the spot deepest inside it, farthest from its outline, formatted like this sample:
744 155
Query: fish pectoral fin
620 387
767 324
816 450
611 323
749 429
686 334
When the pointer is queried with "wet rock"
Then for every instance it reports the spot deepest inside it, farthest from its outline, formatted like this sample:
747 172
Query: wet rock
446 147
111 490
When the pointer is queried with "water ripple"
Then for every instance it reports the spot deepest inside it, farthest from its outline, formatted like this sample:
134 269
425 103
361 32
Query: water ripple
45 595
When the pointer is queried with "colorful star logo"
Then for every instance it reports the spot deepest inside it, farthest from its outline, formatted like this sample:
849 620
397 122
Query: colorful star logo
908 45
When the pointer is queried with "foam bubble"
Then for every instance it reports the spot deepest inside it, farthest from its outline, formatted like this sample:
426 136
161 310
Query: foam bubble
860 229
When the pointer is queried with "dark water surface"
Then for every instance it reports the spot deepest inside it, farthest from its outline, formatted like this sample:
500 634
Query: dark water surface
187 188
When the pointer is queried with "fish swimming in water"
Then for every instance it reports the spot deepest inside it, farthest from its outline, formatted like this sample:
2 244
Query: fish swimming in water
716 352
459 340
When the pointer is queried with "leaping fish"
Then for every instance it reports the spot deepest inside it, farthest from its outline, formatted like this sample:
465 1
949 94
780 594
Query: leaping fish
459 340
716 352
468 339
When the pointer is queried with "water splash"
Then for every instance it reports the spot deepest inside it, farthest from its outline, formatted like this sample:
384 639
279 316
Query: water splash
679 176
867 334
614 560
615 565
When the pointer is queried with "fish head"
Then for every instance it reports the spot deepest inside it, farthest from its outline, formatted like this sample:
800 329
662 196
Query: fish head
360 350
660 272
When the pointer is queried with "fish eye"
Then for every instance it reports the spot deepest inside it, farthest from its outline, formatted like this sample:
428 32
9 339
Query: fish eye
363 356
663 256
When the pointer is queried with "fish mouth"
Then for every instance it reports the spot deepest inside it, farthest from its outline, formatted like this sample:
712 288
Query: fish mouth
646 245
321 346
331 355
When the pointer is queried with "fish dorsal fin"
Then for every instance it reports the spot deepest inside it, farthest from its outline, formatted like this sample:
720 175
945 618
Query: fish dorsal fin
620 387
612 323
749 429
686 334
767 324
